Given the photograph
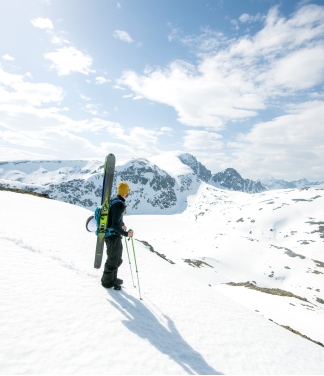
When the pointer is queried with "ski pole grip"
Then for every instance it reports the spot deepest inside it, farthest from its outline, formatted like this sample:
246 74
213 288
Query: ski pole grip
129 236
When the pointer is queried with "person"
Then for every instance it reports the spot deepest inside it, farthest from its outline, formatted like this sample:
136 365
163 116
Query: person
116 229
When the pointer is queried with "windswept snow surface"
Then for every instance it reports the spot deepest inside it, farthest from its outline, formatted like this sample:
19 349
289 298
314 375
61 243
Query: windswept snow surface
273 240
57 319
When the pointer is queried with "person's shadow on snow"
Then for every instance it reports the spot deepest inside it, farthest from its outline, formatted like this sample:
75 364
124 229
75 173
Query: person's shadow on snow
143 322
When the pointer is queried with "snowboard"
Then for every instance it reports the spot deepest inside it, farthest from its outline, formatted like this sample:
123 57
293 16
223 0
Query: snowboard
108 177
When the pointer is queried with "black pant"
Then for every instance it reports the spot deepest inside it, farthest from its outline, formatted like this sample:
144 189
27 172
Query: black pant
114 260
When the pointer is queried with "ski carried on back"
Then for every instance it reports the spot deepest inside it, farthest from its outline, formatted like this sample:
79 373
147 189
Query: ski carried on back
108 177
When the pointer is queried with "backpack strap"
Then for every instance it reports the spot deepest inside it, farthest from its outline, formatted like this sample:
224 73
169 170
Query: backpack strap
110 231
97 213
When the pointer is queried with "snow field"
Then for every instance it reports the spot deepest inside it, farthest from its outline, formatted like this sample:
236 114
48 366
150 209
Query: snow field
57 319
216 229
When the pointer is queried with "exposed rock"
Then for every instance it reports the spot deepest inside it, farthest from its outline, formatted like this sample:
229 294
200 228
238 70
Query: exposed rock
44 195
200 170
152 250
278 292
231 179
197 263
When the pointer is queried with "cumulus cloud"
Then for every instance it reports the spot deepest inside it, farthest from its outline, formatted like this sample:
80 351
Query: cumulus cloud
118 87
33 116
101 80
7 57
67 60
288 146
84 97
202 140
11 153
42 23
240 77
122 35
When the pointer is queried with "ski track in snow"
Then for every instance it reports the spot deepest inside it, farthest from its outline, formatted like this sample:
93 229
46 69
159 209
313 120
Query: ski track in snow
49 254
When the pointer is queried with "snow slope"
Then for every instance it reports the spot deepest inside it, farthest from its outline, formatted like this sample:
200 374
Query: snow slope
57 319
273 240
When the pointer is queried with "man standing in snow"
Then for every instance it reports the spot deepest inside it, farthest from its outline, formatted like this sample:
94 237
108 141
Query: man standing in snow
117 229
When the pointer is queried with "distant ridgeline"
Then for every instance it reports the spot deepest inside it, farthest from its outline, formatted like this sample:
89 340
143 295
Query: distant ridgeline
153 190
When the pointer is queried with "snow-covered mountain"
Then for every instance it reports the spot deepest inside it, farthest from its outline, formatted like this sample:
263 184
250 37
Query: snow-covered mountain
225 287
161 184
232 180
228 179
79 182
272 184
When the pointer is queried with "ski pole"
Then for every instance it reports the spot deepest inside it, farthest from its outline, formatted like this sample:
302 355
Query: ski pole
130 266
139 290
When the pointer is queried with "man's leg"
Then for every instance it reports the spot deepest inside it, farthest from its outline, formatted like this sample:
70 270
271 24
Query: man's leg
114 260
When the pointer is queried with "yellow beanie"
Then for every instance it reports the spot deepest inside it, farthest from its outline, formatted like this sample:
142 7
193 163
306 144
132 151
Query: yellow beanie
123 188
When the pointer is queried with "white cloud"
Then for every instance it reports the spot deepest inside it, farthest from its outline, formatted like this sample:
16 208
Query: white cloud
32 116
242 76
122 35
247 18
137 97
7 57
92 108
118 5
84 97
42 23
101 80
11 154
21 93
202 140
58 38
20 138
209 40
235 24
30 94
166 130
128 96
293 70
118 87
67 60
28 74
290 146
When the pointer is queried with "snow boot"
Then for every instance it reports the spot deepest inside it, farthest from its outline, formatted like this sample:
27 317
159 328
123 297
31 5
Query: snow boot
119 281
117 287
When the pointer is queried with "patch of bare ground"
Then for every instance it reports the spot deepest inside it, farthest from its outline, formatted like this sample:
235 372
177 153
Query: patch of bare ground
289 252
152 250
320 228
44 195
319 264
298 333
196 263
278 292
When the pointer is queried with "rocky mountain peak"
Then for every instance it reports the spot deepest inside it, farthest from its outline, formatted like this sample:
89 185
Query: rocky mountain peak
199 169
232 180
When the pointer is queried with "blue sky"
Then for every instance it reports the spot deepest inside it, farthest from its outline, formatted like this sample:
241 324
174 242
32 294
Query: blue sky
235 83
